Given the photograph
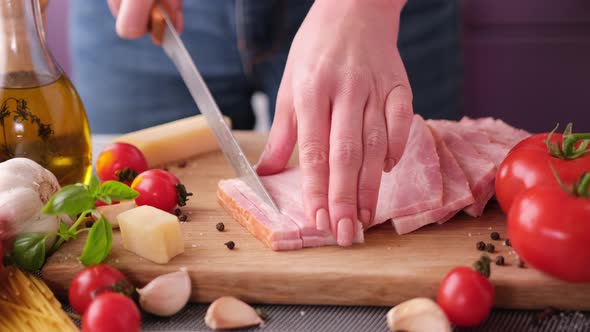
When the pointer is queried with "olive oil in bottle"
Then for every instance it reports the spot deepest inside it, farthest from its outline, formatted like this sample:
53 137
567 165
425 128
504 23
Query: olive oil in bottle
45 121
41 115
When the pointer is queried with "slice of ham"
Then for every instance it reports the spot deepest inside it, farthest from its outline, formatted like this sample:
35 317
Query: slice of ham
479 171
415 184
456 194
287 230
497 130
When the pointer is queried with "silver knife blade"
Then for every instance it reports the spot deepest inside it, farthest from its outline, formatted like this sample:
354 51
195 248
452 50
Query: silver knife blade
175 49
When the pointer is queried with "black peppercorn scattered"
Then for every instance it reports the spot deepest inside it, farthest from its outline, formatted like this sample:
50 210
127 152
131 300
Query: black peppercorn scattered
490 248
507 243
220 227
182 164
182 217
230 245
521 264
500 260
495 236
480 246
89 223
177 212
543 316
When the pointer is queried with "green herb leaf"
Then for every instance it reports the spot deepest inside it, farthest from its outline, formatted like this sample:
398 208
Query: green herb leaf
98 244
29 251
66 233
117 191
70 200
94 186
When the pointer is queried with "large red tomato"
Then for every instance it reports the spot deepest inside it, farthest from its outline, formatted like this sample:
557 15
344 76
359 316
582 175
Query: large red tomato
528 165
120 162
466 296
159 189
111 312
94 280
549 228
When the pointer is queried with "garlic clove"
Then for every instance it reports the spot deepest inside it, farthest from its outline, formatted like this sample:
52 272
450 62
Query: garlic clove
230 313
418 315
110 212
166 294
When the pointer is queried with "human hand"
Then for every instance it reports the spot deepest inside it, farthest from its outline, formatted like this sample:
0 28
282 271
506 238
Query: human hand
346 99
136 17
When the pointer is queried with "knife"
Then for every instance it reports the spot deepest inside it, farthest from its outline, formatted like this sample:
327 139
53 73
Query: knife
175 49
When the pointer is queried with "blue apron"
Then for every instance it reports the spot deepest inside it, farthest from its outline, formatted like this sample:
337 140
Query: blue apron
241 47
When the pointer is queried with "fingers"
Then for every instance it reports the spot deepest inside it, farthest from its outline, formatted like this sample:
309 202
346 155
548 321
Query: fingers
282 136
312 106
398 116
133 18
374 151
157 23
346 154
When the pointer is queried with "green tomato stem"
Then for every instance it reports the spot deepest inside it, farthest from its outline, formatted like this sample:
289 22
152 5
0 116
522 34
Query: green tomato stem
582 185
482 265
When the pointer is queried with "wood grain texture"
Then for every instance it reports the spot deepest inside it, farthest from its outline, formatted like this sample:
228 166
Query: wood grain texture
386 270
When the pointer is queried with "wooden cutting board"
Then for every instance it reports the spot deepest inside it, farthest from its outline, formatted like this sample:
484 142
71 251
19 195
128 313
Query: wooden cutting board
386 270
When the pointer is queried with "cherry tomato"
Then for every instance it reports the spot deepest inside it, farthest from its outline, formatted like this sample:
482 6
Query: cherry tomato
465 296
528 165
120 162
159 189
550 230
94 280
111 312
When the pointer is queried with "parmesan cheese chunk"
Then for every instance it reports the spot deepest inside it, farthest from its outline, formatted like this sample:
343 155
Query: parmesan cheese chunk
151 233
173 141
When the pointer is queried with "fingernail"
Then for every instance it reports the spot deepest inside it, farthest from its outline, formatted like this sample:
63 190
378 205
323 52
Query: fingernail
365 216
322 220
345 232
389 163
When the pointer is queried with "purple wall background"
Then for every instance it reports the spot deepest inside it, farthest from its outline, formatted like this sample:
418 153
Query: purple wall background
526 61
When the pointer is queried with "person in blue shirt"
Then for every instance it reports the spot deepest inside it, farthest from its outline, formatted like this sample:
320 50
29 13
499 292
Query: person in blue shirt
343 79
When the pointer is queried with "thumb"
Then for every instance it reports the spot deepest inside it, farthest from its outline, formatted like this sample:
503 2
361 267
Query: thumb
133 18
398 116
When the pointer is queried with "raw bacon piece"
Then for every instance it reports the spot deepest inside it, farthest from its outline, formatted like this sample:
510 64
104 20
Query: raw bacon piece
456 194
287 230
415 184
479 171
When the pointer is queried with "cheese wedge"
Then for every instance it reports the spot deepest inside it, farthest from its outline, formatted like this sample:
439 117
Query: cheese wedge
151 233
173 141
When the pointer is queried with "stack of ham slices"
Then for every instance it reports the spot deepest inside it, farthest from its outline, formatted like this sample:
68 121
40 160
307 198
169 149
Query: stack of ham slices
447 167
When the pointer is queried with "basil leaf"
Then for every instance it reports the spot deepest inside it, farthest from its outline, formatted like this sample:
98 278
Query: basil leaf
98 244
93 186
66 233
29 251
117 191
70 200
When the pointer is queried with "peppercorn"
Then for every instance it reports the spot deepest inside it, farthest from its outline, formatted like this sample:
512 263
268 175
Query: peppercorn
480 246
500 260
230 245
507 243
220 226
490 248
495 236
177 212
182 164
182 217
89 223
521 264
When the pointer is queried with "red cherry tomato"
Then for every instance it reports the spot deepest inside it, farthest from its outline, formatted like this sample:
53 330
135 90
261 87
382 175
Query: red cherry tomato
465 296
550 229
120 162
95 279
528 165
157 188
111 312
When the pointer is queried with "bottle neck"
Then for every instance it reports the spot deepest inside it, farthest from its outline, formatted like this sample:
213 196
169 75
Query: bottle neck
25 60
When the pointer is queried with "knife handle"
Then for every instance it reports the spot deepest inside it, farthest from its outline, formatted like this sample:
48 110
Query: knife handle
157 23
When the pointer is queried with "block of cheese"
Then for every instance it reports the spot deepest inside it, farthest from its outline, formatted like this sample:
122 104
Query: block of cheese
151 233
110 212
173 141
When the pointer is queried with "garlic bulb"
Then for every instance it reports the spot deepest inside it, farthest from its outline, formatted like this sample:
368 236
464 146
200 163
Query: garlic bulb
167 294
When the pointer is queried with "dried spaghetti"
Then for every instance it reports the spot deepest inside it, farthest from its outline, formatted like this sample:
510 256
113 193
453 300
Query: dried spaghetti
27 304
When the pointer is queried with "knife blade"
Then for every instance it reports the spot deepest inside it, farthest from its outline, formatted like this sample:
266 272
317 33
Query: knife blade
177 52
